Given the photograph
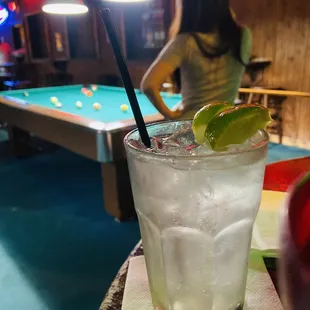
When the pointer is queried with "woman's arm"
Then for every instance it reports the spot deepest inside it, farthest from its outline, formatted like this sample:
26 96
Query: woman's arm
151 85
167 62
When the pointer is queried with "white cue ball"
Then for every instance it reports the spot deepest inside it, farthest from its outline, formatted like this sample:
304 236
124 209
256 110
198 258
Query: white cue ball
97 106
58 105
79 104
54 100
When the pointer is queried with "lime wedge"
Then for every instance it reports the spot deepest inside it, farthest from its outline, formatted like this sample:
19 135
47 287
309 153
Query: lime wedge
236 125
204 116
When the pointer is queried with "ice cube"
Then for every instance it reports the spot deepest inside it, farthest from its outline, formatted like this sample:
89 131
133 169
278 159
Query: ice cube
158 181
188 262
157 145
231 248
163 212
239 147
189 302
182 137
154 258
180 142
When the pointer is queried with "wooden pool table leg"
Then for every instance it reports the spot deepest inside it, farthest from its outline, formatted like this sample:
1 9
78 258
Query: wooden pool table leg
23 144
19 140
117 194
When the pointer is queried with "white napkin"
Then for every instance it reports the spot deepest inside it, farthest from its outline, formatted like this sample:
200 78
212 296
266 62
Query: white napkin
260 293
137 295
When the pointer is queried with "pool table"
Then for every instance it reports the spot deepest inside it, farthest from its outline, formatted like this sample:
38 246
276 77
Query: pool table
96 134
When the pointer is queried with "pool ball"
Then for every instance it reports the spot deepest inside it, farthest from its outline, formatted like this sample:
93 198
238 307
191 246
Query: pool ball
54 100
124 107
97 106
59 105
79 104
94 87
84 90
89 93
26 94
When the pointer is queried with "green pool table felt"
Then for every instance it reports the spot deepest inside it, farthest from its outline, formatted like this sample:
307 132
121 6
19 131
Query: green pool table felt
110 99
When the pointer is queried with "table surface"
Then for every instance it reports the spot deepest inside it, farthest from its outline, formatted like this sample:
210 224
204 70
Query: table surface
110 98
291 169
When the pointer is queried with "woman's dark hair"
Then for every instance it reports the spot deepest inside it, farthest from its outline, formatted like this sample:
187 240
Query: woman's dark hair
210 16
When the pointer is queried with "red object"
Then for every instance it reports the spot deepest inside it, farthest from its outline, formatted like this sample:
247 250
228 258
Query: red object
299 218
89 93
281 175
158 142
31 6
293 266
5 51
12 6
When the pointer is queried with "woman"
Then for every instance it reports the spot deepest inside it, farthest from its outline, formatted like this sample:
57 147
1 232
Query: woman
210 49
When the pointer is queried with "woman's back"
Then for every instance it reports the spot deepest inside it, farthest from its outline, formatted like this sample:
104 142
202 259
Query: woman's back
206 79
210 48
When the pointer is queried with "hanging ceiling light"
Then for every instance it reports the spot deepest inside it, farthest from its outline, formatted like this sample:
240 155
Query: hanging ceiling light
65 7
126 1
70 7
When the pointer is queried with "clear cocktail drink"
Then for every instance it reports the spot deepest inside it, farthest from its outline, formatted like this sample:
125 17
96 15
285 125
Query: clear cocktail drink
196 211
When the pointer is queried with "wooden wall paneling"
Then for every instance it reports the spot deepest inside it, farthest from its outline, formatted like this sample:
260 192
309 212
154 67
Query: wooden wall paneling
122 32
102 37
244 11
60 49
37 41
303 105
88 71
270 13
26 45
260 16
281 31
251 13
81 36
117 15
96 33
104 42
106 55
18 36
27 36
292 30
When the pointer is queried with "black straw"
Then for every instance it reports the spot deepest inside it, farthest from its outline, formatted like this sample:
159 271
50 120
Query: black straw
125 75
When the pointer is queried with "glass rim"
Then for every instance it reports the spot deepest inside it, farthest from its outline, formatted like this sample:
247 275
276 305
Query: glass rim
261 144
